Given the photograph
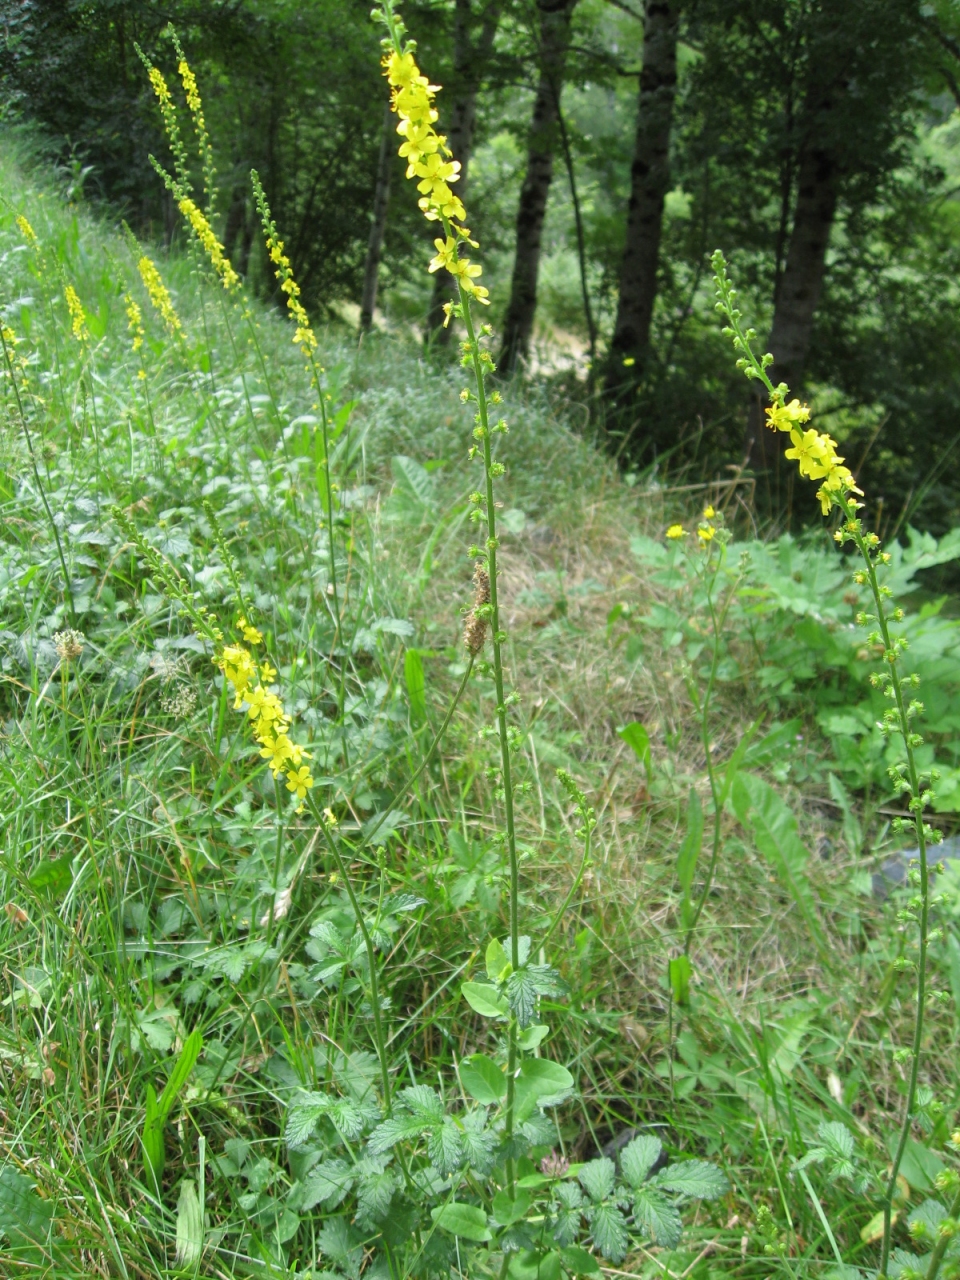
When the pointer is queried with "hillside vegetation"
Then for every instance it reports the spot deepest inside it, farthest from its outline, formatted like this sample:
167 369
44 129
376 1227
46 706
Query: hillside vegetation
155 889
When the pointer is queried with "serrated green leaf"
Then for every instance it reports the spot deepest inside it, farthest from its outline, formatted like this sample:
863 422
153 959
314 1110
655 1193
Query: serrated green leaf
398 1128
464 1220
485 1000
483 1079
657 1216
638 1157
302 1117
597 1177
424 1102
478 1148
445 1148
374 1193
327 1184
695 1179
608 1228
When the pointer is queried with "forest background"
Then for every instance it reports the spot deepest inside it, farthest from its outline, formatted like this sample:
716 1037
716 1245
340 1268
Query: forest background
608 146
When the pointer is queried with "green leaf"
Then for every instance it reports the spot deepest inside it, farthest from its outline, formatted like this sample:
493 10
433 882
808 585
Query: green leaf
541 1081
679 972
327 1185
483 1079
190 1232
26 1223
637 738
398 1128
413 675
532 1264
445 1148
464 1220
152 1138
53 877
761 810
484 999
695 1179
423 1102
578 1261
689 856
508 1209
658 1217
533 1036
638 1157
597 1177
374 1193
609 1231
186 1061
496 959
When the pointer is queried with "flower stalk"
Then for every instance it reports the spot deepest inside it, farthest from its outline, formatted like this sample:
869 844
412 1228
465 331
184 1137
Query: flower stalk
817 459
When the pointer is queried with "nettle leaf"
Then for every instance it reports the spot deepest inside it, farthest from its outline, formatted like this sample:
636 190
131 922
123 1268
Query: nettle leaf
608 1228
638 1157
374 1194
424 1102
522 992
341 1244
569 1194
397 903
695 1179
567 1227
657 1216
348 1118
445 1148
925 1219
478 1143
327 1184
302 1117
397 1129
598 1178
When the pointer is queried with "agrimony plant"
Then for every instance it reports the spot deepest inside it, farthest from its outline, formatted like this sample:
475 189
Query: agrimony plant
817 459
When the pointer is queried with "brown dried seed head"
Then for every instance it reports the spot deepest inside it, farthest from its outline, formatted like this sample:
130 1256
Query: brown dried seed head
475 632
481 582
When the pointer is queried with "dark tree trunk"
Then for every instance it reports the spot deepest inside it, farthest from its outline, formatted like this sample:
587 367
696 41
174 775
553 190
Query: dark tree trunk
799 290
469 63
378 226
649 183
555 16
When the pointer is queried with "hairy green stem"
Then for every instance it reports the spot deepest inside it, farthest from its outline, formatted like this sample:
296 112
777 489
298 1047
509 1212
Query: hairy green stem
502 730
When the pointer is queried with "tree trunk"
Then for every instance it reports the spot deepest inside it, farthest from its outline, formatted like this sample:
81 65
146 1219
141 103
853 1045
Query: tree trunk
555 16
649 183
378 227
799 291
469 63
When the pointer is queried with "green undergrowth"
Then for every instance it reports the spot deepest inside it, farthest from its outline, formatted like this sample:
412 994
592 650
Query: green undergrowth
150 891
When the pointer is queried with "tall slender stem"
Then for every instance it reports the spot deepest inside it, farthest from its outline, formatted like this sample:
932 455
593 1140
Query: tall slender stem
21 413
502 730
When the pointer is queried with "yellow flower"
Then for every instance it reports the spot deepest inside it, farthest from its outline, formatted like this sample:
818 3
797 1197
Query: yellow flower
781 417
211 245
267 673
27 232
158 295
304 337
331 818
676 531
429 162
134 322
705 533
250 633
629 361
299 781
78 318
815 453
708 513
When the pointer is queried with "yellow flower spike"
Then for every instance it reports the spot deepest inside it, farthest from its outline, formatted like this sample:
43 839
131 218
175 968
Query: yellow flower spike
158 295
431 165
134 321
27 232
303 337
676 531
211 245
78 317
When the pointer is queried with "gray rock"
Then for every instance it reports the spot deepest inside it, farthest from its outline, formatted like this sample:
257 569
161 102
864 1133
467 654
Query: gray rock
893 873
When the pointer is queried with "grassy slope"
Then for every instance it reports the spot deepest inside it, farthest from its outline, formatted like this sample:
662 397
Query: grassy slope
136 838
